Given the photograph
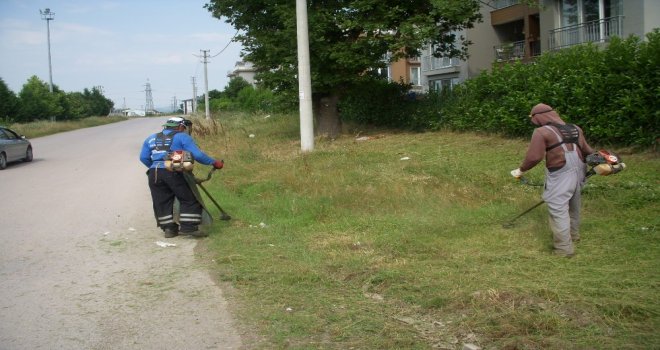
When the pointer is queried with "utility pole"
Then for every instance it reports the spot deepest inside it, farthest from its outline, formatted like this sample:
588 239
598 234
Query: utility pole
48 16
206 83
304 79
194 101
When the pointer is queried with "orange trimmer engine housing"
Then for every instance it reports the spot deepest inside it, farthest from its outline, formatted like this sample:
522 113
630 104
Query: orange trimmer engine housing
604 163
179 161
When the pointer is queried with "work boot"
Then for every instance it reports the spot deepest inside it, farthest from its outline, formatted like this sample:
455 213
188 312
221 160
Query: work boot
193 231
563 254
169 232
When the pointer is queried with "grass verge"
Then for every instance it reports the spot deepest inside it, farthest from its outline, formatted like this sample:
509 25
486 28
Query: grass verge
396 242
45 127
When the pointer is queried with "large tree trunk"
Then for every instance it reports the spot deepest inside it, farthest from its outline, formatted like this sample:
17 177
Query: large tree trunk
327 116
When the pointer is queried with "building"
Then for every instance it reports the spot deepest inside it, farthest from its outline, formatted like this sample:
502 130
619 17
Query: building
407 71
512 31
245 70
188 106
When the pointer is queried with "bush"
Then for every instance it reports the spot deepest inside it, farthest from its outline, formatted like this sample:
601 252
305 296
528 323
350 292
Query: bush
612 93
378 102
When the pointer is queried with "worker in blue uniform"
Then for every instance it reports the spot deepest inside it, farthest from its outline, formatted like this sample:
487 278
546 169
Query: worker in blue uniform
167 184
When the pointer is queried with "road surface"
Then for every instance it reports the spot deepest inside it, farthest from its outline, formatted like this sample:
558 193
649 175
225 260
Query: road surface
80 264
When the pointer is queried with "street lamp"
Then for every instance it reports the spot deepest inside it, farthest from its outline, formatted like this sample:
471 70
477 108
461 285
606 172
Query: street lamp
48 16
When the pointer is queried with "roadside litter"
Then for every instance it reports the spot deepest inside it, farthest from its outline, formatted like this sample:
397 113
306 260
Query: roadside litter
165 244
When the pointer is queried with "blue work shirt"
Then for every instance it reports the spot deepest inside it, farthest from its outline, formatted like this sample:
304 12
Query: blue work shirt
152 158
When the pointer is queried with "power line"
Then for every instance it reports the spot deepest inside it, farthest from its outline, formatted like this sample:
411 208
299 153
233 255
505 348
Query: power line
230 41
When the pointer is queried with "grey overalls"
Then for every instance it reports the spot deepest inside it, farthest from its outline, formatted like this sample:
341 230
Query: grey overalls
563 196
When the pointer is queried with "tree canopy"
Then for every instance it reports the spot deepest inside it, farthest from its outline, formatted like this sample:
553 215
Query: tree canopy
35 102
346 37
8 101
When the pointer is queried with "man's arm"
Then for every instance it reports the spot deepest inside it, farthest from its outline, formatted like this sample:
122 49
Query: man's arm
188 144
584 146
145 154
535 151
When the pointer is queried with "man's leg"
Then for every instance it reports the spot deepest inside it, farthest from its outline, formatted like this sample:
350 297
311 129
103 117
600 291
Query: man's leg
163 202
190 216
559 220
574 213
560 188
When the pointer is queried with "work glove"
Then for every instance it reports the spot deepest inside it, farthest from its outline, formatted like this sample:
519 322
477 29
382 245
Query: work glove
517 173
218 164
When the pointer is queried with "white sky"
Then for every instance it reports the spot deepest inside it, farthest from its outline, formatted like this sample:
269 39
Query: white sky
118 44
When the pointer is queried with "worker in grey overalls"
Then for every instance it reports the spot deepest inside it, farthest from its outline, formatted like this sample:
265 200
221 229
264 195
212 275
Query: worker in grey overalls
564 148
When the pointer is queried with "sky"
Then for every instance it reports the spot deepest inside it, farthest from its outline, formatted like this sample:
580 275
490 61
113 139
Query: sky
120 45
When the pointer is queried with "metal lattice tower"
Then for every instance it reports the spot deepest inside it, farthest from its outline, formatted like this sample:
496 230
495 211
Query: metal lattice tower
149 104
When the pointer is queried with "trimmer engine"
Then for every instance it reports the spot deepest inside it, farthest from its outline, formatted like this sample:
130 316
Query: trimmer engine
604 163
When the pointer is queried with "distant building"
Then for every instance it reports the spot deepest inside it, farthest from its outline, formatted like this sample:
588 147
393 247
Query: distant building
188 106
245 70
134 113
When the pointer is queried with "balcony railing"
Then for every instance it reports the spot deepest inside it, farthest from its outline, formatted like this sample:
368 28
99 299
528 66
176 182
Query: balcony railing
500 4
510 51
590 32
433 63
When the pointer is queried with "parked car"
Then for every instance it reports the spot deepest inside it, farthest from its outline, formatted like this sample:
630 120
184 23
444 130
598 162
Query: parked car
13 147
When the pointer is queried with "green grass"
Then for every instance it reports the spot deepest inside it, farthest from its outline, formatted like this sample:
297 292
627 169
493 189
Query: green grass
364 250
45 127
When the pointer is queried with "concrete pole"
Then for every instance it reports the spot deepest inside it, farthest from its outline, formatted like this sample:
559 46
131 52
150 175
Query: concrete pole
206 86
194 100
304 79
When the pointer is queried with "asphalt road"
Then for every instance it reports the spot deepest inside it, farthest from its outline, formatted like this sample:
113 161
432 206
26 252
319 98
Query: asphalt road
80 264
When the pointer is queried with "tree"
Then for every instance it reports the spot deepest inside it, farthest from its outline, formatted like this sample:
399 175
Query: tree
346 38
215 93
37 102
8 102
79 106
100 105
235 85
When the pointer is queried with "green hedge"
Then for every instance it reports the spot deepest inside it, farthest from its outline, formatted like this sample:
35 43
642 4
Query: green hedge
613 93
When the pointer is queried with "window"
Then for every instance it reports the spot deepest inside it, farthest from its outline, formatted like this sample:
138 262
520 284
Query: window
415 73
574 12
584 21
443 84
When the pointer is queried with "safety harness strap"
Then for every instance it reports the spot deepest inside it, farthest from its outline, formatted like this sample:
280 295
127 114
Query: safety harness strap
164 142
569 134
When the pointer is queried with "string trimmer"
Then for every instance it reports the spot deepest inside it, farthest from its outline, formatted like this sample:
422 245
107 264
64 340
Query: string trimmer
224 215
602 163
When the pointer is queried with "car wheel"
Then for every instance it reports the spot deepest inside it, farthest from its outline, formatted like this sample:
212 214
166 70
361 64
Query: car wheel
28 155
3 161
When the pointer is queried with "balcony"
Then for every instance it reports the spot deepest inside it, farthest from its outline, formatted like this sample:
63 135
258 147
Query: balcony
500 4
516 51
447 64
589 32
510 51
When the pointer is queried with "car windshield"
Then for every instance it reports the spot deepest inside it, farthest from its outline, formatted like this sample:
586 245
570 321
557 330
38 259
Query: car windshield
10 135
